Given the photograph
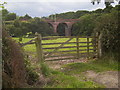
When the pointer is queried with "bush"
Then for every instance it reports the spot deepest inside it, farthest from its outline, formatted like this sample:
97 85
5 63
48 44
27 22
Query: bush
107 25
13 63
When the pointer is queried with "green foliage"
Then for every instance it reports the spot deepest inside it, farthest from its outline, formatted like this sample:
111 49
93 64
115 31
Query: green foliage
37 25
7 16
107 9
85 26
110 60
61 29
107 25
80 13
4 13
45 69
22 28
10 16
97 66
26 17
13 63
32 75
67 15
98 11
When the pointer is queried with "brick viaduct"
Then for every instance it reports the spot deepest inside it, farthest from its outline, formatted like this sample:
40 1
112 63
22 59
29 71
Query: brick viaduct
68 24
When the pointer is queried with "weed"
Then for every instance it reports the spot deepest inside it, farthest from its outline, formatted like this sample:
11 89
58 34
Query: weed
32 76
45 69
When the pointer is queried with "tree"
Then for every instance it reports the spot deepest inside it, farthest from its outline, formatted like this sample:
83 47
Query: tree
98 11
5 12
85 26
10 16
37 25
26 17
80 13
67 15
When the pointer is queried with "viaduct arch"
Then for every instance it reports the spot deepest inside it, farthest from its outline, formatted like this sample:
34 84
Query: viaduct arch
68 22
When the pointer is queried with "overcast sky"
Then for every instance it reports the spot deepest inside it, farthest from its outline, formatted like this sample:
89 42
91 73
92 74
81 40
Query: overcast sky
40 8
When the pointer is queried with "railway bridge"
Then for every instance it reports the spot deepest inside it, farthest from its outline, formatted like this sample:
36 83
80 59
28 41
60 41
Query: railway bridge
68 24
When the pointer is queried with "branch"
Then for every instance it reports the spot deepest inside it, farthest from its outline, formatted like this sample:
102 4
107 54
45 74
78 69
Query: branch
29 42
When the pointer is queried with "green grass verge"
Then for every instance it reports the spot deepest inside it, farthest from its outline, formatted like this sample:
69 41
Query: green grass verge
97 66
60 80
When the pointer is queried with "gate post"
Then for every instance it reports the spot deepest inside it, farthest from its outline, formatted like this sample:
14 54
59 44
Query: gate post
95 46
77 41
99 46
38 42
88 47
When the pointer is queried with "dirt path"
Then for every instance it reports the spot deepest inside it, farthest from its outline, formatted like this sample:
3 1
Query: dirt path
58 64
108 78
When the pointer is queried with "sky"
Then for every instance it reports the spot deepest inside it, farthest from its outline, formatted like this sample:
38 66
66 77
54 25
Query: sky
40 8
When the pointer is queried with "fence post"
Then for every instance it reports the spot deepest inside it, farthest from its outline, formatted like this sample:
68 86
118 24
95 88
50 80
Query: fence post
77 41
94 38
88 47
99 46
38 42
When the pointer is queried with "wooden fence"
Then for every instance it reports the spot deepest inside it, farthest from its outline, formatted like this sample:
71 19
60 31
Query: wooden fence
65 47
72 47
